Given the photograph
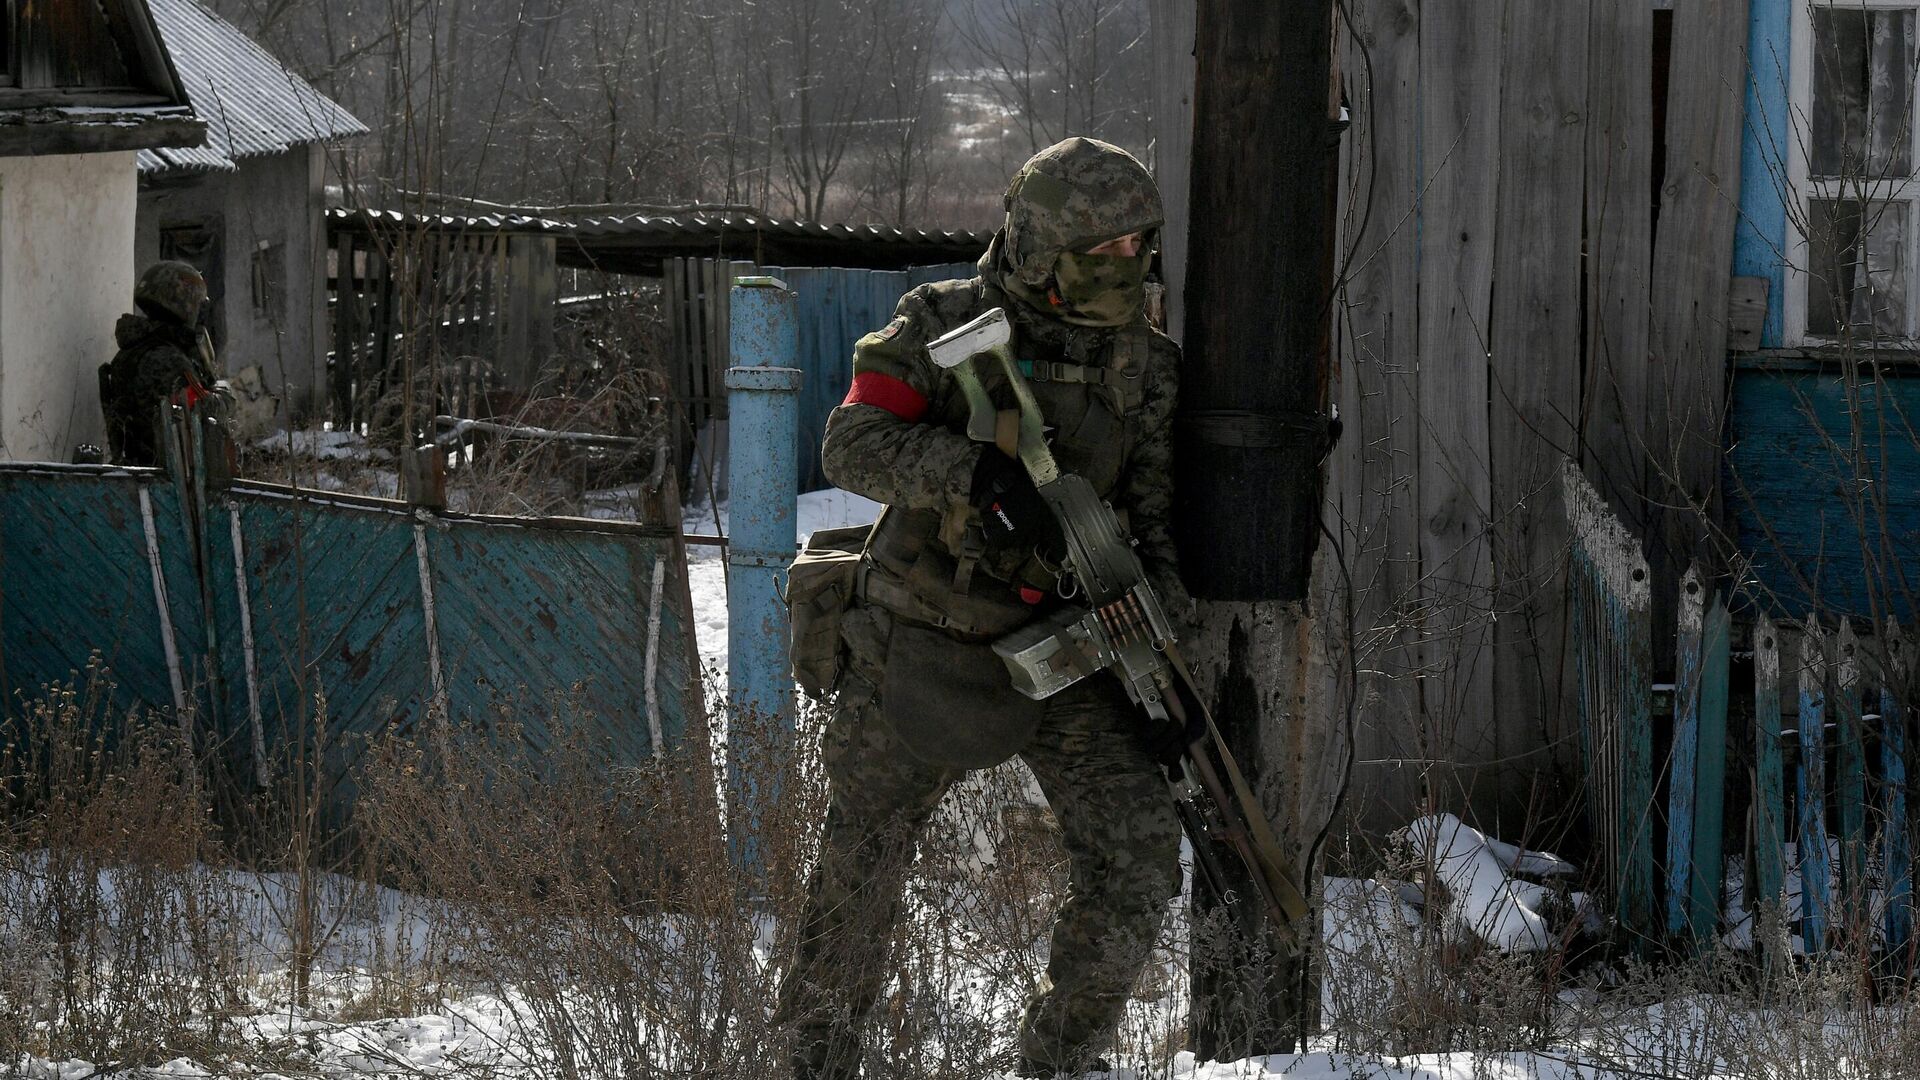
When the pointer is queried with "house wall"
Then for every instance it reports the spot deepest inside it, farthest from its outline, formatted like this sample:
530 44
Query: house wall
1506 305
66 274
272 204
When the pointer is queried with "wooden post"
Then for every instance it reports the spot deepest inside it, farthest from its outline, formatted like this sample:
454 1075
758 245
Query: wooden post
533 285
1248 493
1620 231
424 473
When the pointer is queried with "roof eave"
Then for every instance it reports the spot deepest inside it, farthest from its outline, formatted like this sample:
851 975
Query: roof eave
53 130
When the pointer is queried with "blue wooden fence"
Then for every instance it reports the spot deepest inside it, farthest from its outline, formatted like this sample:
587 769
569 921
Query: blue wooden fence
368 614
1844 744
1820 472
837 308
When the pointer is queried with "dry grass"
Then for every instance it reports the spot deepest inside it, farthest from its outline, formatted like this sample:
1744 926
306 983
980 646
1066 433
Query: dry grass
606 912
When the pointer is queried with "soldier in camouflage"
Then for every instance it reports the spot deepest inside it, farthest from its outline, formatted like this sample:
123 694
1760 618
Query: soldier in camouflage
966 552
163 353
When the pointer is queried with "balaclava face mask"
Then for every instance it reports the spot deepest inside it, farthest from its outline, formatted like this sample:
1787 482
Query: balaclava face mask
1068 198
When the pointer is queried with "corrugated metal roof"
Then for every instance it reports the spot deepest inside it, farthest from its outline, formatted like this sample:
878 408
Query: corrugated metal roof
251 102
636 243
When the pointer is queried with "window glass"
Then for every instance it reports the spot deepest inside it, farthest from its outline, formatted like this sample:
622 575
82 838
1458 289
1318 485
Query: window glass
1863 64
1857 268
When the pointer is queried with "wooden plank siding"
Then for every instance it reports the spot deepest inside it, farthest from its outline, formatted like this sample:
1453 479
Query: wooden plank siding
1509 154
1379 345
1534 340
1620 242
1459 122
1687 390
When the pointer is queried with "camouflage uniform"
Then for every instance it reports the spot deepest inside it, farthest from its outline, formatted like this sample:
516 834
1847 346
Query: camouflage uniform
1106 383
162 351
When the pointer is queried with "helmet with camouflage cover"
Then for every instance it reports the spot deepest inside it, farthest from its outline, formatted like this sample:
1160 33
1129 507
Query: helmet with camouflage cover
173 291
1068 198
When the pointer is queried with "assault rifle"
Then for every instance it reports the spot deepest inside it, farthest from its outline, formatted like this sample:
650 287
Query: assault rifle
1124 628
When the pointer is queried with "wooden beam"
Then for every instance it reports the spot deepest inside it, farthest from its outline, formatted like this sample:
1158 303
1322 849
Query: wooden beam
93 136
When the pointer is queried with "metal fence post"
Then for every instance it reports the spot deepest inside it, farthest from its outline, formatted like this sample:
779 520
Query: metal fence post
763 492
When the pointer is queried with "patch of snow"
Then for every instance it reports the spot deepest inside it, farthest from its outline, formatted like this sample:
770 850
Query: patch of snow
324 445
707 564
1486 900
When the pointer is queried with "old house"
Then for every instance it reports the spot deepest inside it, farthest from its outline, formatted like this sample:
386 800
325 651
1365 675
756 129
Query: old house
248 207
84 88
1625 346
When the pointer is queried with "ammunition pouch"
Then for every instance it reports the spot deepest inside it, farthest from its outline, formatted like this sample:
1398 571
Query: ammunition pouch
951 703
821 583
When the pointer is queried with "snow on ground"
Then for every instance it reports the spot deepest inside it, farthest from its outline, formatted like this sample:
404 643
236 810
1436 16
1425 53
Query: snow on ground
707 565
324 445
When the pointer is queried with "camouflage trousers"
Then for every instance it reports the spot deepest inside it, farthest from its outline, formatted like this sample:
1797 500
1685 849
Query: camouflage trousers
1122 837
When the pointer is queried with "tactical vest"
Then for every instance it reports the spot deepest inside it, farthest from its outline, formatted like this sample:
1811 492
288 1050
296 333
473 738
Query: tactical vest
932 566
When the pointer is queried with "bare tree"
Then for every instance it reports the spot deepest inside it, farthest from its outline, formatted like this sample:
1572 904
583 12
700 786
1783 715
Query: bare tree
1064 67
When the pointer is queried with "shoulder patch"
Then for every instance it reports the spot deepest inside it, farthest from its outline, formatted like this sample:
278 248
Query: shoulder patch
892 329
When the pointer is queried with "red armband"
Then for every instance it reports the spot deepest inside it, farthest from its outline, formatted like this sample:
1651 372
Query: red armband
886 392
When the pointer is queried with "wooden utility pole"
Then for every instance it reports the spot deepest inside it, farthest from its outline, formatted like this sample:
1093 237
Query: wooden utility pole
1252 441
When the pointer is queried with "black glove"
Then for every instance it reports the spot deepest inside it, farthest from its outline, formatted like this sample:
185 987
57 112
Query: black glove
1012 513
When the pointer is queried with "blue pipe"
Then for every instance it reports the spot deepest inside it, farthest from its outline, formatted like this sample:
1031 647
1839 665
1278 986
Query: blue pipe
1760 239
763 407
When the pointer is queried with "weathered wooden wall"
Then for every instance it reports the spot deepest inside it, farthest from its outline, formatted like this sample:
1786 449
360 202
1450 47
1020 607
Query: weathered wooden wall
1507 306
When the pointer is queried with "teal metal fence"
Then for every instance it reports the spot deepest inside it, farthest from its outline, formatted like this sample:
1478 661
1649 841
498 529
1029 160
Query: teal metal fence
260 614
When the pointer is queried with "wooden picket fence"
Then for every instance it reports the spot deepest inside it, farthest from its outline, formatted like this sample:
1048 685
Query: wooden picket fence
1828 711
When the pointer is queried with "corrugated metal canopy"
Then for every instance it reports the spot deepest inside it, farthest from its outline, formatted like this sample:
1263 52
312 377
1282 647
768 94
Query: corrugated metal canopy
251 102
636 243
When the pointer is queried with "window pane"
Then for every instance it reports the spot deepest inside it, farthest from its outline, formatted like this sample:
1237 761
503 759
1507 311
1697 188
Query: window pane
1862 92
1857 277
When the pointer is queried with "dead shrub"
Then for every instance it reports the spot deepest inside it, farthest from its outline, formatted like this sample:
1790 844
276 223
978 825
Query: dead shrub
121 943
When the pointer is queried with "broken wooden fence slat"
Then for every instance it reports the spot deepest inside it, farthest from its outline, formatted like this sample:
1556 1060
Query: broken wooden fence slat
1682 781
1767 895
1850 780
1710 781
1898 852
1811 790
1612 656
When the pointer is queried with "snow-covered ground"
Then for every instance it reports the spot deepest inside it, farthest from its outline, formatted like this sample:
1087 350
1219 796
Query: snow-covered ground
478 1030
707 564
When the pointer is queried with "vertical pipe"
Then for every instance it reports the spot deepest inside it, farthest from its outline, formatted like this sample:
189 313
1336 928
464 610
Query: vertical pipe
763 490
1760 238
